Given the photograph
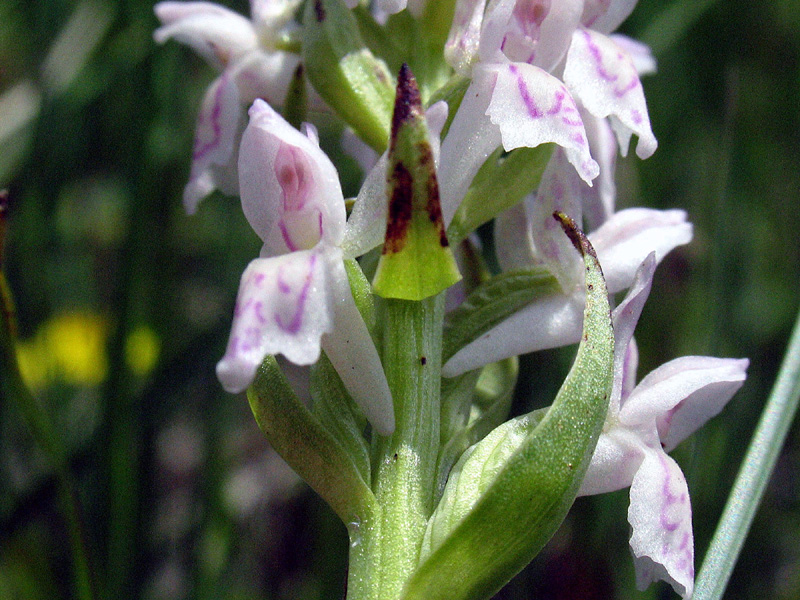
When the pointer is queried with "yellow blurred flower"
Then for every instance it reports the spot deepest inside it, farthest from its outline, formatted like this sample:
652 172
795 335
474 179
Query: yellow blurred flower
71 348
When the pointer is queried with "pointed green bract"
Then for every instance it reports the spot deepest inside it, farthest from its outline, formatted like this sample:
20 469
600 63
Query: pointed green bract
508 494
350 79
416 262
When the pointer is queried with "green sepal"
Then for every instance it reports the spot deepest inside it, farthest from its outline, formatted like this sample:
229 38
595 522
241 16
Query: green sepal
310 449
350 79
295 107
416 261
493 302
484 407
509 493
340 415
500 183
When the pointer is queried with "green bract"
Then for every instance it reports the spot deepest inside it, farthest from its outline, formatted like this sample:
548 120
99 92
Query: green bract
416 262
355 83
508 493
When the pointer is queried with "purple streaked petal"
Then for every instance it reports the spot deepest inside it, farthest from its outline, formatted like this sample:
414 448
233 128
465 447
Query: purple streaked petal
216 33
531 107
290 189
623 242
682 395
352 352
660 515
603 77
215 140
283 307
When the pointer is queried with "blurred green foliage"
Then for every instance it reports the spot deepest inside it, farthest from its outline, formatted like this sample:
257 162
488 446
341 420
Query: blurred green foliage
181 497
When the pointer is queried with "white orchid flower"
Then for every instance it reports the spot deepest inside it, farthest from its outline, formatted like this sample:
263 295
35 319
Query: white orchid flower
646 421
252 67
295 300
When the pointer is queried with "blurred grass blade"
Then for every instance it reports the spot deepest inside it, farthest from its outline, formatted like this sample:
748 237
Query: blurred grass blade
753 476
14 390
673 23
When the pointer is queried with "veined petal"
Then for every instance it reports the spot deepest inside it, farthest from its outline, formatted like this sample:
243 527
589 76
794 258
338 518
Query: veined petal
603 77
606 15
550 322
623 242
350 349
284 307
290 189
660 515
216 33
531 107
215 141
463 41
616 459
682 395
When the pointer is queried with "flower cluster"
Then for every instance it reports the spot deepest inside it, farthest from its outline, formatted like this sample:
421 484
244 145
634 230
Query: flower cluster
537 72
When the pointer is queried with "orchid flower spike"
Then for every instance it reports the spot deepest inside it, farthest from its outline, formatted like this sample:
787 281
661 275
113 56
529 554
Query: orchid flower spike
645 422
296 300
251 65
528 235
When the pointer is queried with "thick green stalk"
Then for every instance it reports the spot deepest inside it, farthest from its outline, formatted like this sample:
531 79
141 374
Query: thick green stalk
406 463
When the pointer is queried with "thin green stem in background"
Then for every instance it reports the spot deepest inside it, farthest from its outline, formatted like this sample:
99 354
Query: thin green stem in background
753 476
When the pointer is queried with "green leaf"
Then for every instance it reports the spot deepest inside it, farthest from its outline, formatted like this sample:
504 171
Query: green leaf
309 448
501 182
295 107
493 302
487 406
509 493
416 261
350 79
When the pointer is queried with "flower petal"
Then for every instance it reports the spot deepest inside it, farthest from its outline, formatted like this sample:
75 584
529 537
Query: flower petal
271 15
283 307
531 107
625 317
352 352
463 41
513 243
216 33
391 6
640 53
549 322
623 242
216 134
606 15
290 189
681 395
660 515
616 459
599 200
604 78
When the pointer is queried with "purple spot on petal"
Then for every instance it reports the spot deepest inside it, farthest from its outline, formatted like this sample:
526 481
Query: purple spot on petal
201 148
293 326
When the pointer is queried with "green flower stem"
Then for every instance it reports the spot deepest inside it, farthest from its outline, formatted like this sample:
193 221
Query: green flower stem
406 461
753 476
13 389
